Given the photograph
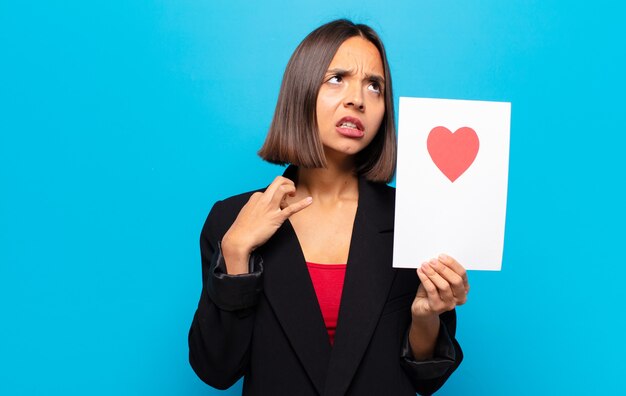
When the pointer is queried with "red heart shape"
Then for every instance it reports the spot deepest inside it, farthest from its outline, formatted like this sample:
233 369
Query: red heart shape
454 152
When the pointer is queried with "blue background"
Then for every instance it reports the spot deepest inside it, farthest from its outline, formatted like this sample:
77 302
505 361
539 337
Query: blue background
121 122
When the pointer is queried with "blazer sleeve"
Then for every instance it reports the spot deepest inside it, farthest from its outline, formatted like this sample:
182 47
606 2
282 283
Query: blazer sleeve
429 375
221 331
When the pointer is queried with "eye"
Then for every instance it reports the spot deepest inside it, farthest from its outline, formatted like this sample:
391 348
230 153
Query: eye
374 87
335 79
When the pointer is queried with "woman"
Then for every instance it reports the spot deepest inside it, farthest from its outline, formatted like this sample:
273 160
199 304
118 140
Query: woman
299 294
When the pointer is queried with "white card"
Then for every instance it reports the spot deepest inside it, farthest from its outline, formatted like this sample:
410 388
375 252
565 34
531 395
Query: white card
451 183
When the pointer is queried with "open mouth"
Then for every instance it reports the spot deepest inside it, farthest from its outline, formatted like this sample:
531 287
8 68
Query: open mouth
350 127
350 123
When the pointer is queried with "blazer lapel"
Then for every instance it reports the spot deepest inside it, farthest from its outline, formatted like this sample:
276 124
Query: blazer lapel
368 280
290 292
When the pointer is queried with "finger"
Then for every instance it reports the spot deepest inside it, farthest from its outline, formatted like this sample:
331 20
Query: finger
281 193
443 287
429 286
255 196
296 207
456 267
421 290
435 302
454 279
278 181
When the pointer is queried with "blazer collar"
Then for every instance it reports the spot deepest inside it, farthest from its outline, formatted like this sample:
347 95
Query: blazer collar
369 275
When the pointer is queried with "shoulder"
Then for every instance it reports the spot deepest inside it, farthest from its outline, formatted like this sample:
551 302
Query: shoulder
378 194
384 190
377 200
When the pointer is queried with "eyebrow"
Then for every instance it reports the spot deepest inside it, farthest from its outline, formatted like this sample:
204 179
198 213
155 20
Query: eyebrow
343 72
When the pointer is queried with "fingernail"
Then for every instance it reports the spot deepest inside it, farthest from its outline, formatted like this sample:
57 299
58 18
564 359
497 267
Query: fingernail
424 266
433 263
309 199
444 257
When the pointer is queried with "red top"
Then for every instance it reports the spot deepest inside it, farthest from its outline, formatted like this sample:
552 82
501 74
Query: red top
328 283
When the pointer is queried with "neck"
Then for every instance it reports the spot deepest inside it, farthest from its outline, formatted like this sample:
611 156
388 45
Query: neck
336 181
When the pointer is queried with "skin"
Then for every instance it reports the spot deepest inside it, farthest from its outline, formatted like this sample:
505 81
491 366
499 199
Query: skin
322 207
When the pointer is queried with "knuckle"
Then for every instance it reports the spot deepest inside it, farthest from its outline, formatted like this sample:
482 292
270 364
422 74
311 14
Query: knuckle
282 180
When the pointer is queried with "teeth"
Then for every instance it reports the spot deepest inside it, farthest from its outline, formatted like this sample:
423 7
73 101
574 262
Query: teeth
348 125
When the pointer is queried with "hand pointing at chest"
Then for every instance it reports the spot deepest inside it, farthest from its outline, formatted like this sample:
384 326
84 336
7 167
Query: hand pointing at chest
257 221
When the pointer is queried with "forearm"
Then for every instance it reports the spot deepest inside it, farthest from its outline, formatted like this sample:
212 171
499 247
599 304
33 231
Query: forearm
219 344
423 336
235 256
221 330
429 373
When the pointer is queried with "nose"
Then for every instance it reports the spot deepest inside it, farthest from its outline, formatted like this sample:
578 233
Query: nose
354 98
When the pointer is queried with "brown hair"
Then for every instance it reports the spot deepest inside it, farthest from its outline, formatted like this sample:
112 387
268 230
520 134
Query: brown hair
293 136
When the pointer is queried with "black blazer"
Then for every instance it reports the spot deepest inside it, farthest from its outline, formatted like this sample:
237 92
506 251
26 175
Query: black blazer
268 327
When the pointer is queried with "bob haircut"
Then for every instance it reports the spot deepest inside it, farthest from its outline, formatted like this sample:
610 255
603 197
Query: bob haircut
293 137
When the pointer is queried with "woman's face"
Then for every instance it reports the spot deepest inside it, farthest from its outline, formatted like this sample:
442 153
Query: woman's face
351 100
